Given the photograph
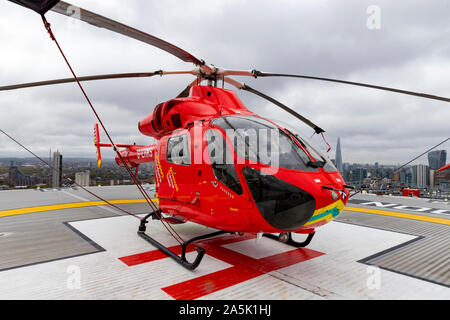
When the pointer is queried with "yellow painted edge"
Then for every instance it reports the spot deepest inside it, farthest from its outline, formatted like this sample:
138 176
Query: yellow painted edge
400 215
13 212
337 204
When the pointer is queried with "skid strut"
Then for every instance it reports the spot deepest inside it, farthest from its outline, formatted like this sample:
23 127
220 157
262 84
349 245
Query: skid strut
180 259
286 237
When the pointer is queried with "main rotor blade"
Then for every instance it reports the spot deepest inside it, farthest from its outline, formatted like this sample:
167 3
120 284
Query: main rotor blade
40 7
69 10
88 78
245 87
412 93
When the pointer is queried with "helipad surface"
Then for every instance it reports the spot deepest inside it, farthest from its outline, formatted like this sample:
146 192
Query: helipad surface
93 252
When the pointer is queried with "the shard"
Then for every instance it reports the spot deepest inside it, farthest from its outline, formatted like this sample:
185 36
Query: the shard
339 156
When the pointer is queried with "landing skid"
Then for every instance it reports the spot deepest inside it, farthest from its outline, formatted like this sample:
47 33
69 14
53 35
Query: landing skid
287 239
180 259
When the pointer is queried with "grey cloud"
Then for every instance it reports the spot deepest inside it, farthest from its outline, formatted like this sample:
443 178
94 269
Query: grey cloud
323 38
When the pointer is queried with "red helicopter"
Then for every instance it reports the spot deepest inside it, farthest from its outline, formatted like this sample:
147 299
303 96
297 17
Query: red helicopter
217 163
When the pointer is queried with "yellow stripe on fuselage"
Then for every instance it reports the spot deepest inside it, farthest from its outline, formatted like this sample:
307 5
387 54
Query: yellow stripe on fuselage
338 205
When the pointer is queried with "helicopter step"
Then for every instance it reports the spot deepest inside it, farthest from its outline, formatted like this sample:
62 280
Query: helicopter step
286 237
180 259
158 216
174 220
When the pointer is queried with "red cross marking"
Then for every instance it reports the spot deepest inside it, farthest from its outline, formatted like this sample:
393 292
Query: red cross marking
243 267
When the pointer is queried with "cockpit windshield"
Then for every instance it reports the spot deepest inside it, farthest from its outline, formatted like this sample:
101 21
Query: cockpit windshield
259 141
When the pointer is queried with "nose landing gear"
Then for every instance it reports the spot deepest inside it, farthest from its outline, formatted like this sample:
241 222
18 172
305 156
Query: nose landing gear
286 237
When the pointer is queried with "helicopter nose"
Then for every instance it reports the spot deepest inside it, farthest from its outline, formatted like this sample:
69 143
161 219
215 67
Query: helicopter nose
283 205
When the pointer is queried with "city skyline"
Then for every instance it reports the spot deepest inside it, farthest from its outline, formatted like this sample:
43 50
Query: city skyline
376 175
325 39
425 159
422 160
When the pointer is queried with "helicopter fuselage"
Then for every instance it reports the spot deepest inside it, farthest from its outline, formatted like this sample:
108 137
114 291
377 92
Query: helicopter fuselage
209 167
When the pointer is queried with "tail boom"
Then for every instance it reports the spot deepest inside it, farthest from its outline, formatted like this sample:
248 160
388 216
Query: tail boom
133 155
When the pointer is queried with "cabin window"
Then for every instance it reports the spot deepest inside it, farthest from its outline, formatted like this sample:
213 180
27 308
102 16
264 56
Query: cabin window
178 150
222 161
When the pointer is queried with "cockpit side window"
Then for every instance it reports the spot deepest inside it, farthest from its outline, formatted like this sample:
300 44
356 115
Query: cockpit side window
178 150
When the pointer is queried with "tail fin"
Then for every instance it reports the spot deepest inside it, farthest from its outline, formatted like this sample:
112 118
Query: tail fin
97 145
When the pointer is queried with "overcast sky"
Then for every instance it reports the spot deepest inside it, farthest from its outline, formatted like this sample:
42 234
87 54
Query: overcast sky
406 46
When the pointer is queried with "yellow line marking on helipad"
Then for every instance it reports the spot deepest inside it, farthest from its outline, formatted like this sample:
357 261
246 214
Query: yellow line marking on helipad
14 212
400 215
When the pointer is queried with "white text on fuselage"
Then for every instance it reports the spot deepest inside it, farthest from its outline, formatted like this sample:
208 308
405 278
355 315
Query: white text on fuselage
228 193
145 153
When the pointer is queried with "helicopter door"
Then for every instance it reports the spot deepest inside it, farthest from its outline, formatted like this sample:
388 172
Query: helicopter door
179 172
222 191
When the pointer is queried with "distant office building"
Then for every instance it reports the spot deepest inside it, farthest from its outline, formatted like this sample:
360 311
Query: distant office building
83 178
421 175
442 180
338 159
357 175
57 174
437 159
403 177
406 177
396 177
432 176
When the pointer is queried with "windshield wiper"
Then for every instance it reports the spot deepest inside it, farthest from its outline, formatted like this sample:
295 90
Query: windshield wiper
315 164
311 163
